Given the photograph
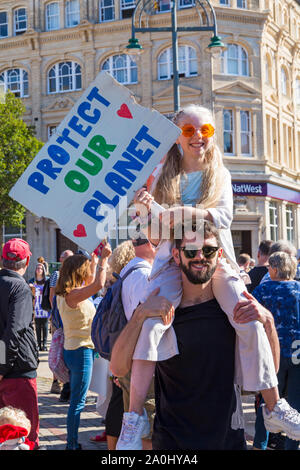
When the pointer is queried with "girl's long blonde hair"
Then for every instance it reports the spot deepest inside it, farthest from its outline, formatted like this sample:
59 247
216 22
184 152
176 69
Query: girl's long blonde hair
167 188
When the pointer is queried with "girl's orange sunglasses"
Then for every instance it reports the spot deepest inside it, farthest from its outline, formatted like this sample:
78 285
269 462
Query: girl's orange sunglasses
207 130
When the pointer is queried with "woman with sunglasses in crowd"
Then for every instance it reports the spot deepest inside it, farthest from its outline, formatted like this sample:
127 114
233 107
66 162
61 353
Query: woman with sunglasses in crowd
194 178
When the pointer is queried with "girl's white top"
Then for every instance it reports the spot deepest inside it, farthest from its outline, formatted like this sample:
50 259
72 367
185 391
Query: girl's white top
222 216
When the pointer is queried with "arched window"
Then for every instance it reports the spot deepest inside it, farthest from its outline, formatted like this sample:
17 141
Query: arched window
234 61
106 10
15 80
64 76
72 13
122 68
187 63
52 16
20 21
284 88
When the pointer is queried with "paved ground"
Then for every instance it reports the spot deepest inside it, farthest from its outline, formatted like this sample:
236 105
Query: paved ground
53 415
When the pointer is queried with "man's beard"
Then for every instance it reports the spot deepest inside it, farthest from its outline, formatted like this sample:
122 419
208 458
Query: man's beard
198 277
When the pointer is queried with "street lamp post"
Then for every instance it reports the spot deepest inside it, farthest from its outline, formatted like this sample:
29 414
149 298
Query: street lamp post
209 16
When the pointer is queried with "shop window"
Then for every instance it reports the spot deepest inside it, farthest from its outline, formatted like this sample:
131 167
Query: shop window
289 223
273 216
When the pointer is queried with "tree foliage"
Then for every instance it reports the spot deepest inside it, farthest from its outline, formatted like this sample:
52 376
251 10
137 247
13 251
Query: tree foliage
18 146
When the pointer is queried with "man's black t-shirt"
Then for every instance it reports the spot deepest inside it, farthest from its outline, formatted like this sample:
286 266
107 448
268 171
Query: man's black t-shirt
256 274
194 391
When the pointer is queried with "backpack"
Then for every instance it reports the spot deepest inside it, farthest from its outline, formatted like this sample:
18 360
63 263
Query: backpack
45 304
110 318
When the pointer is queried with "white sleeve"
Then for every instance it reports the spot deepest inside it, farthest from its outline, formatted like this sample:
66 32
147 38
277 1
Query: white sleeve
134 289
222 214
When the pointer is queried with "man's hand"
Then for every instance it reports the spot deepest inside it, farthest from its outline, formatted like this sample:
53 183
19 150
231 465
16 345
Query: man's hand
1 377
142 198
249 310
156 306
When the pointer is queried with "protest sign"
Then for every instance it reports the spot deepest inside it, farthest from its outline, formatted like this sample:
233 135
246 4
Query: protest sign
102 152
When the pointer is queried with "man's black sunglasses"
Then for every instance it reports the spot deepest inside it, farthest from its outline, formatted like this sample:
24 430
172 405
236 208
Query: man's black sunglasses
207 251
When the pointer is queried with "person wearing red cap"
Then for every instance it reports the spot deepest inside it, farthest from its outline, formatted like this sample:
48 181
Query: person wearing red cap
19 360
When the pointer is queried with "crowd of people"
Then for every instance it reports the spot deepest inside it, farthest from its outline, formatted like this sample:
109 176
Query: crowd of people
202 326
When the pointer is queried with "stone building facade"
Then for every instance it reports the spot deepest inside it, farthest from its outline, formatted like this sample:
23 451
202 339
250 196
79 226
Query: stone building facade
51 50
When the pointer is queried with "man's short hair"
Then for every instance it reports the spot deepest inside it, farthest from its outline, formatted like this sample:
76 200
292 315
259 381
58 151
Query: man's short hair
283 245
264 247
243 259
15 253
14 265
207 228
285 264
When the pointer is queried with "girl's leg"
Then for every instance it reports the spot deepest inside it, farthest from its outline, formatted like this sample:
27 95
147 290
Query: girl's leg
254 355
293 392
141 376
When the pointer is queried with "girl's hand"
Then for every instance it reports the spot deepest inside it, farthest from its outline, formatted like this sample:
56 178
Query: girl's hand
94 259
142 197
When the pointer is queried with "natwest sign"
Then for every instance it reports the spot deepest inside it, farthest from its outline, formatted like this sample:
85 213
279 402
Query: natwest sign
266 189
250 189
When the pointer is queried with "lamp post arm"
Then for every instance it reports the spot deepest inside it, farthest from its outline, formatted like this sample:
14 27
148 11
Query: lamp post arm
175 56
133 19
213 16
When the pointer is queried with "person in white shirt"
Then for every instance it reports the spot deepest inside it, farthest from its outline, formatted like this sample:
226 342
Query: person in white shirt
134 289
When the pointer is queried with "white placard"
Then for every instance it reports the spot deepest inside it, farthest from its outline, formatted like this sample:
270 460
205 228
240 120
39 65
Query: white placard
101 153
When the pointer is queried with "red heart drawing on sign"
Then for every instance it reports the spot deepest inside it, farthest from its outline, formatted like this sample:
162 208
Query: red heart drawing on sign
124 112
79 231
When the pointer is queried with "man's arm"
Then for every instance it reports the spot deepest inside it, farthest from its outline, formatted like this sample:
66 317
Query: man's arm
154 306
251 310
18 319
